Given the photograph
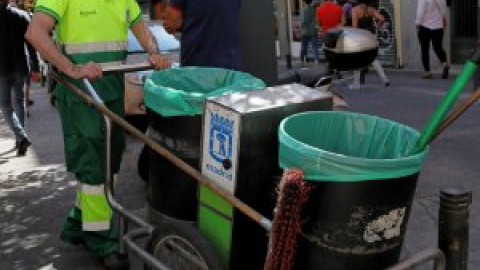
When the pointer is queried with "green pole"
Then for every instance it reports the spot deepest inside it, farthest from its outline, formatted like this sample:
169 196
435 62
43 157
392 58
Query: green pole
442 110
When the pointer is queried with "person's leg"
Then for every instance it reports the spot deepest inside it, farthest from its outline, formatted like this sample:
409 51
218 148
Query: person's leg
20 111
72 227
314 42
28 85
356 80
6 88
18 85
424 39
437 39
378 67
91 220
303 49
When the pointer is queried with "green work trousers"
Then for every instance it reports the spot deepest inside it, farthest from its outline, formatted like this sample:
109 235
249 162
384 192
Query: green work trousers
89 222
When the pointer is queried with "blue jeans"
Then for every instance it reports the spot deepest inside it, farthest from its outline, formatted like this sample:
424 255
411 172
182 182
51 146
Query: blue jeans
13 110
303 50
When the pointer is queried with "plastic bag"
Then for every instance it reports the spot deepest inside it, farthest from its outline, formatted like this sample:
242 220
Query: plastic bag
182 91
345 146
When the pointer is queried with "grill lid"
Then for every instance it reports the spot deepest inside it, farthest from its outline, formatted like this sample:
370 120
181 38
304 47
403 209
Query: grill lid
350 40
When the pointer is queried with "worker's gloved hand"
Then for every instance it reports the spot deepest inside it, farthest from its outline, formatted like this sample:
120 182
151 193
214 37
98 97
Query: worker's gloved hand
90 71
159 62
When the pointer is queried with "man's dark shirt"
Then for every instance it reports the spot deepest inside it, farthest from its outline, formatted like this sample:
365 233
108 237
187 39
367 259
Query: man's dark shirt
210 33
13 25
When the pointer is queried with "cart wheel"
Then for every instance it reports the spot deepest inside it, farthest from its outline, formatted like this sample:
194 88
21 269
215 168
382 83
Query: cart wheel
180 246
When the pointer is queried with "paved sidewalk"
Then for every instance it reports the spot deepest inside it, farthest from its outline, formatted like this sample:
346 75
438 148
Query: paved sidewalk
36 192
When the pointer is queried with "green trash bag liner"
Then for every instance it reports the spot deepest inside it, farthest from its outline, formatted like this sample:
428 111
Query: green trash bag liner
347 147
182 91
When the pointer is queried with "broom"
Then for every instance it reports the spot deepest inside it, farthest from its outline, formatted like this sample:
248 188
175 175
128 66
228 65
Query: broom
293 194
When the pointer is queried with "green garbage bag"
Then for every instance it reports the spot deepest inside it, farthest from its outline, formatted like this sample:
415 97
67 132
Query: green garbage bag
346 147
182 91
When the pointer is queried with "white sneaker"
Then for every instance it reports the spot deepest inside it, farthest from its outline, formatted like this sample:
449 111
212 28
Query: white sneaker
339 104
353 87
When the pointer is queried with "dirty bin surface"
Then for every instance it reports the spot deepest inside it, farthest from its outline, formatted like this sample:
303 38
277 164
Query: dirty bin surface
364 182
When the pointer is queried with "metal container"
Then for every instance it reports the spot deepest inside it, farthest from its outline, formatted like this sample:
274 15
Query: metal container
240 153
350 48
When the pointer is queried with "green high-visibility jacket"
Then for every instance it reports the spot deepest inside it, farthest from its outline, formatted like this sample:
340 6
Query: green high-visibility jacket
93 30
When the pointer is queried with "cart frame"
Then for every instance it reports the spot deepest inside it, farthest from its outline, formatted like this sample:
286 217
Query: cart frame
128 238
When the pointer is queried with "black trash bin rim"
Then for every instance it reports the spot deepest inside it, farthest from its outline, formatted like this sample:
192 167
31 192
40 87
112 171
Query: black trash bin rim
323 165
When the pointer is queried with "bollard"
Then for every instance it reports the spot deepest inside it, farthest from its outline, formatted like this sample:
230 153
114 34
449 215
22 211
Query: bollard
453 227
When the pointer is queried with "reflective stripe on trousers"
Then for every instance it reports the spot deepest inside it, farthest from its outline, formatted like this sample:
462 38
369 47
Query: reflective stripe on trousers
96 212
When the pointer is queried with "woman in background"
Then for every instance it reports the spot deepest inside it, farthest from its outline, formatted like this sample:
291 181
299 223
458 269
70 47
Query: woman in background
364 16
430 24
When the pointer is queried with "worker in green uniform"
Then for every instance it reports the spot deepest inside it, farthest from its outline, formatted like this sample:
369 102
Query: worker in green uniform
90 34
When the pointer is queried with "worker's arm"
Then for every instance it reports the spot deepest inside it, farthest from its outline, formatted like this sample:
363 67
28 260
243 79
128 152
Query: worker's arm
38 34
149 44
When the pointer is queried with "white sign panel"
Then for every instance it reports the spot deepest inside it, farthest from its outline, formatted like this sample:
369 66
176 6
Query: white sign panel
220 145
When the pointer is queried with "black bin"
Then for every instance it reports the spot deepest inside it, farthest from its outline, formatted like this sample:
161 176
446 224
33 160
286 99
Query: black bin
174 99
170 190
363 179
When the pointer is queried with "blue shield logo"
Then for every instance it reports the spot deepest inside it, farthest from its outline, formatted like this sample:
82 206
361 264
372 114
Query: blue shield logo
221 137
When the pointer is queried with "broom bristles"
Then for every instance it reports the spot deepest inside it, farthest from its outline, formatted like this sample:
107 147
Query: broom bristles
293 194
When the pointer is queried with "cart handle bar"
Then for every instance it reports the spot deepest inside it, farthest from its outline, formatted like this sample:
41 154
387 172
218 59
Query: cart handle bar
127 68
241 206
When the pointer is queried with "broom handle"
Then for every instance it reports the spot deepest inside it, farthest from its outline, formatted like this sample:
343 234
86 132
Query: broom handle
447 102
457 113
241 206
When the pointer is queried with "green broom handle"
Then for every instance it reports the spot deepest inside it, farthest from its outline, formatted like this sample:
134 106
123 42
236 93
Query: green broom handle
447 102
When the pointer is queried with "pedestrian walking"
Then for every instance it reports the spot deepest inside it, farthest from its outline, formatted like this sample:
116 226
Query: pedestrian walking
309 31
430 23
329 15
14 71
27 5
91 34
364 16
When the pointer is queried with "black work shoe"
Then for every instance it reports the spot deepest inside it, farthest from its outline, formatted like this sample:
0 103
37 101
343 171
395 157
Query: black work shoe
23 147
115 261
